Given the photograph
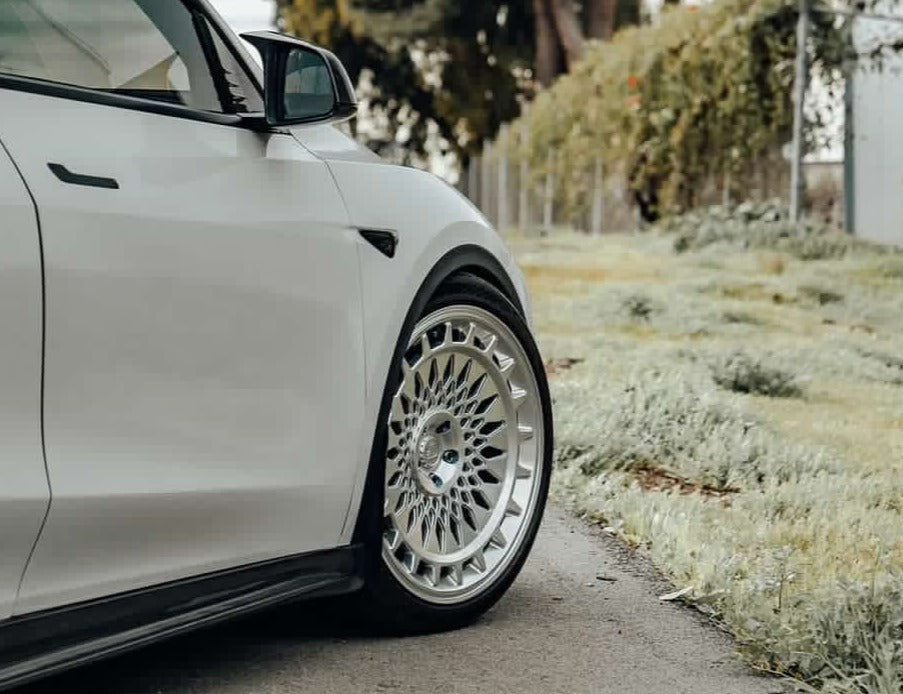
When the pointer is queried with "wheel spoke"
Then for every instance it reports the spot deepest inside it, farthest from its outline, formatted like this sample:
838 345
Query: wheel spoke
490 343
411 562
393 539
433 575
497 440
471 333
405 514
449 334
457 574
506 364
513 508
393 498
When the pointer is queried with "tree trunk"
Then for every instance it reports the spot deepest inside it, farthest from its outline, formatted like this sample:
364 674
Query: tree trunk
569 31
343 12
600 18
548 62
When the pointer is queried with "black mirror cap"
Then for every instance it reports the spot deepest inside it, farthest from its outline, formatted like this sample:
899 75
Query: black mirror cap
274 49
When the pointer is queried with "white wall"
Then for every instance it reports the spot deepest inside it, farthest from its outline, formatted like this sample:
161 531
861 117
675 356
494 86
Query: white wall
878 132
247 15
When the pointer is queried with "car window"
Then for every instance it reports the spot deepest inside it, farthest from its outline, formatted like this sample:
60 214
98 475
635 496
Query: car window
144 48
243 91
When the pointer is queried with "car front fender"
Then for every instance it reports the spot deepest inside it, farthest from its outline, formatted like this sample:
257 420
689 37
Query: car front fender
439 232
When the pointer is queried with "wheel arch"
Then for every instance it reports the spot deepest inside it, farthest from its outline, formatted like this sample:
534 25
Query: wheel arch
466 259
469 260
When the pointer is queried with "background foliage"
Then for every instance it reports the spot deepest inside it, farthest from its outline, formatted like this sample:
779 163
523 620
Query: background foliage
445 74
432 72
704 92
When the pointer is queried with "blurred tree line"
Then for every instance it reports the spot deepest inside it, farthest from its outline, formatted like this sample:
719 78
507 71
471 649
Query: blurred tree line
698 102
447 73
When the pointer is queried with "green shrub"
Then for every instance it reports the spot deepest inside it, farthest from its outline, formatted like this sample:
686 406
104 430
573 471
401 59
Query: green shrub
757 226
673 422
820 295
741 318
742 373
639 307
882 367
891 268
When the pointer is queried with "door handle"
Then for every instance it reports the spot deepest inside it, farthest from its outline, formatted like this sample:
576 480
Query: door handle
67 176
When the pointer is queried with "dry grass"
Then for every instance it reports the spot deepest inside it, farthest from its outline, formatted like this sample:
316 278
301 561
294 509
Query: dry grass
784 515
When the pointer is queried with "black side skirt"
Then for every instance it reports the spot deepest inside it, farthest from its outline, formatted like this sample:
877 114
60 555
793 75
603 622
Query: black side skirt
45 643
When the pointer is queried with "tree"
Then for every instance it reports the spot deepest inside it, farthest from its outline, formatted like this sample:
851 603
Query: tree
436 65
548 52
448 72
560 31
569 31
703 94
600 18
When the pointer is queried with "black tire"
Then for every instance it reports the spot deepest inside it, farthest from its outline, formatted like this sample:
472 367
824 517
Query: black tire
384 603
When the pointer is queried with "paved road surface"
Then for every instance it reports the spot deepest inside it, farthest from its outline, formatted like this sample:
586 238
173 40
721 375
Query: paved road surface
560 629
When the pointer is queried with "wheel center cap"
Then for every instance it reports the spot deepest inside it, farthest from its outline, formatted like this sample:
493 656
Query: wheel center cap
438 452
428 451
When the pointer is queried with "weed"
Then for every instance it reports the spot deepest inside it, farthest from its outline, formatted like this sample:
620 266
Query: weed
741 318
741 373
759 226
820 295
639 307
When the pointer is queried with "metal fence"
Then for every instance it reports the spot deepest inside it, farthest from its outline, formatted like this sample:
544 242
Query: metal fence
514 198
595 199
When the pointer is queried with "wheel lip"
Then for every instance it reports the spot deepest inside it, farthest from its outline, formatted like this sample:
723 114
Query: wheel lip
541 421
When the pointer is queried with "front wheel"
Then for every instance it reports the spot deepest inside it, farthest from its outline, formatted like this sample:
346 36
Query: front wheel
462 463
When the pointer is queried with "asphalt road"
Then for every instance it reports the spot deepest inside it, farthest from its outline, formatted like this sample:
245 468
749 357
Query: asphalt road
583 617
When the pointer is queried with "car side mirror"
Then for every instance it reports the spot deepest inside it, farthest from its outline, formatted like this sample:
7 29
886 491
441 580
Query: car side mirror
302 82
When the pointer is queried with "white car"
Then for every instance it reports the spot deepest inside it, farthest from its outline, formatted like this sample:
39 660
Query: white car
243 361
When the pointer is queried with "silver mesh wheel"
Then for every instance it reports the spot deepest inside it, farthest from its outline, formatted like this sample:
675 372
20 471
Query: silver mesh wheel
462 461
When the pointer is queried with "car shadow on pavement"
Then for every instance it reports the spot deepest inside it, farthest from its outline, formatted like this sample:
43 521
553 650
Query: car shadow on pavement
213 656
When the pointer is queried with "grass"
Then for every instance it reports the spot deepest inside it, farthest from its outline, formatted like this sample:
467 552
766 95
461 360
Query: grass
736 409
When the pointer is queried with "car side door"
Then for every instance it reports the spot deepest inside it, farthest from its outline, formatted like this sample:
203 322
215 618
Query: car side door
204 376
24 492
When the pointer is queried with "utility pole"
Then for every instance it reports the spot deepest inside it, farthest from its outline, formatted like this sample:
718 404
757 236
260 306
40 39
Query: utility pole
797 181
849 132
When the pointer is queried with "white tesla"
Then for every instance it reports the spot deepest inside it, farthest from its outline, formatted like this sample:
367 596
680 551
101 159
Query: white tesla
243 361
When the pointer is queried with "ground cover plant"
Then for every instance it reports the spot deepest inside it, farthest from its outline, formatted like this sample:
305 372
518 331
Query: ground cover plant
735 407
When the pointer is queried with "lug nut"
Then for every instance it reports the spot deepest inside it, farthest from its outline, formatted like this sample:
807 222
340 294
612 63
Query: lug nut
450 457
443 428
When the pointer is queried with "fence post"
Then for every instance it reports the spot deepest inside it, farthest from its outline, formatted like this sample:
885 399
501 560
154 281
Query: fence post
523 198
473 181
849 130
504 217
797 180
598 198
485 181
548 201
